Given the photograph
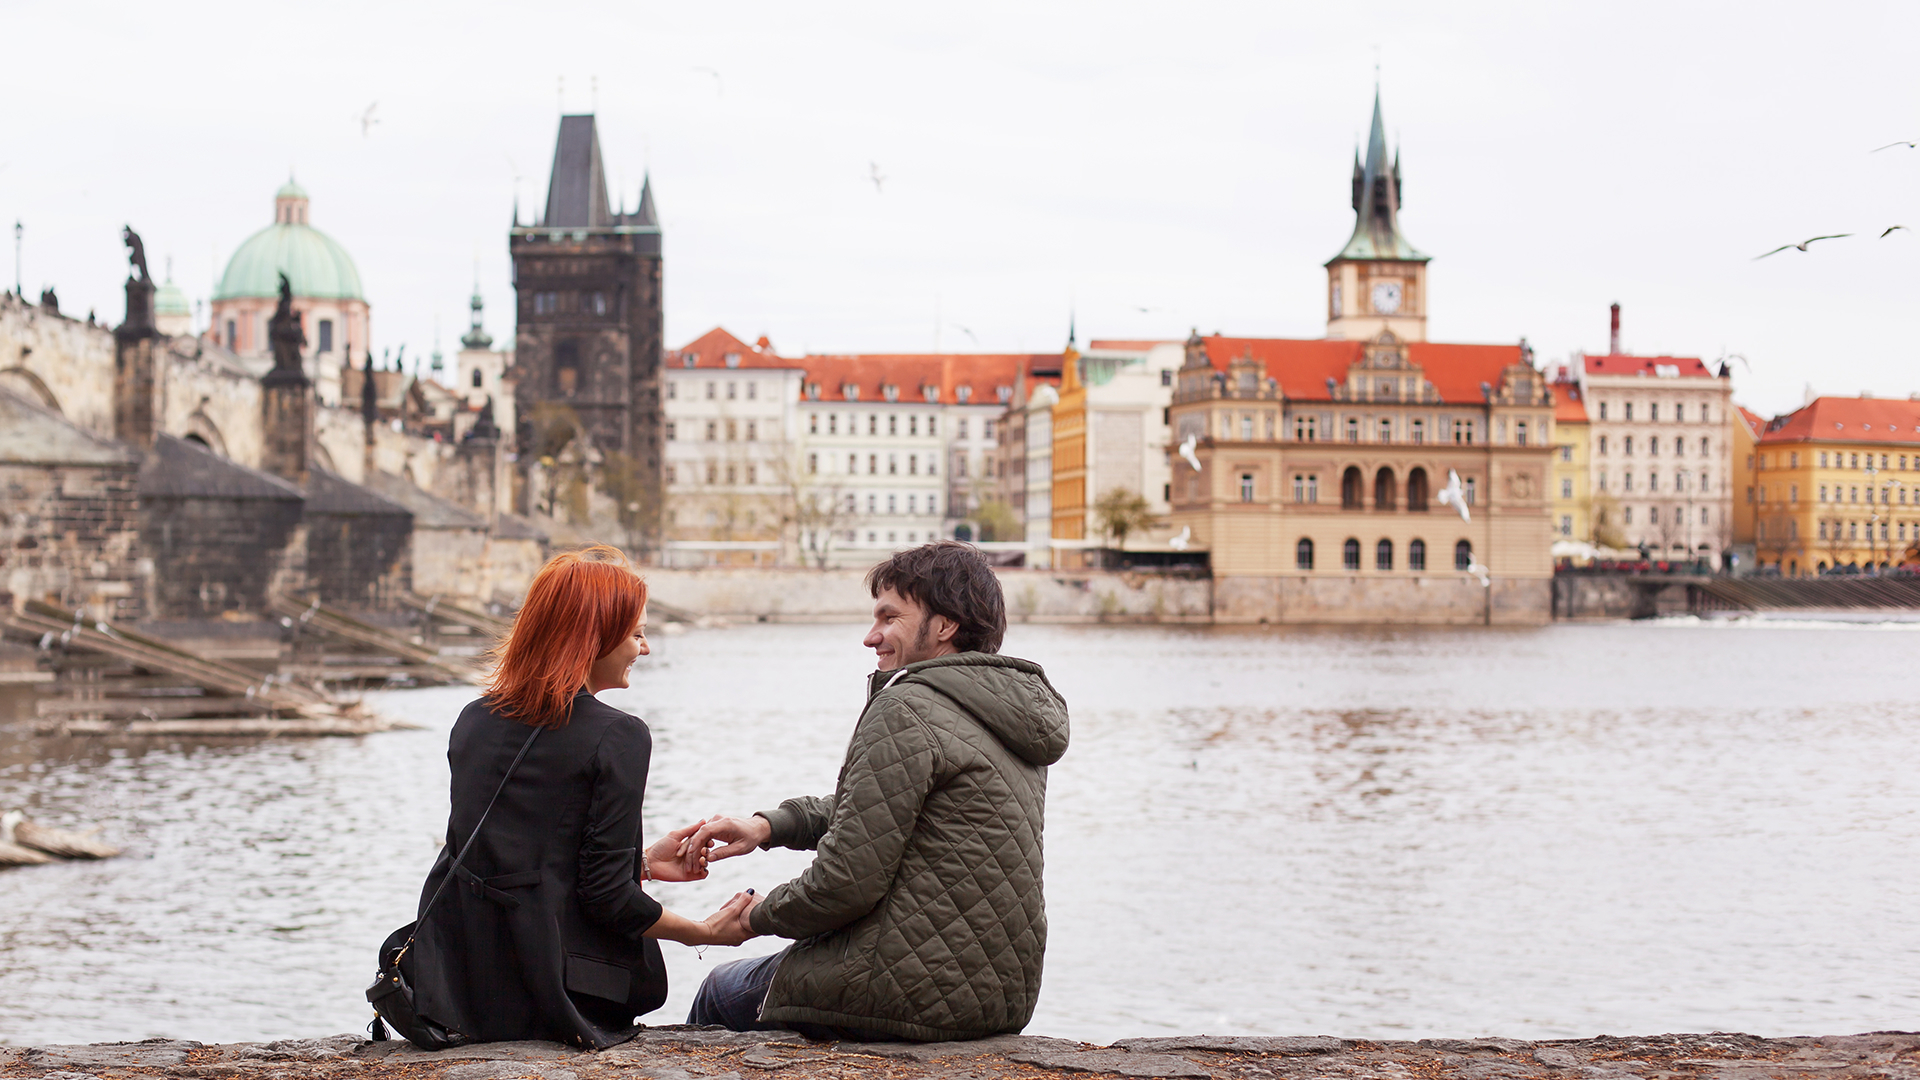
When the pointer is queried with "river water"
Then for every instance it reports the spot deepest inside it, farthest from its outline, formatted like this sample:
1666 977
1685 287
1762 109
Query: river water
1626 828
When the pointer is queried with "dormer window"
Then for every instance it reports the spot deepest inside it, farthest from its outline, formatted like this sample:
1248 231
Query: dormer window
813 391
733 359
688 359
931 393
890 392
963 394
1005 393
850 391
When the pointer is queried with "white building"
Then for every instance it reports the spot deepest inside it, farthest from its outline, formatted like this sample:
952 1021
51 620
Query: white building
731 452
1661 451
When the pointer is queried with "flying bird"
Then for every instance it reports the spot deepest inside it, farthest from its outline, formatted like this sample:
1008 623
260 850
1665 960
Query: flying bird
965 331
1891 145
1453 495
1179 543
1802 245
1890 230
367 119
719 86
873 171
1186 450
1482 572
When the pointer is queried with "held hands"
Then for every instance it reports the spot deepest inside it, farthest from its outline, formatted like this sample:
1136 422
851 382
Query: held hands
736 836
731 925
672 859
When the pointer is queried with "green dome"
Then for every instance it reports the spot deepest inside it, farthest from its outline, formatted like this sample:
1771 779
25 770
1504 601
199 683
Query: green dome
290 190
172 300
316 266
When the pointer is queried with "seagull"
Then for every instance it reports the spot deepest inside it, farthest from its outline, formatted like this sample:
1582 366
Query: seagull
61 842
1890 230
1179 543
1186 450
1802 245
1481 572
965 331
13 854
873 168
1452 495
367 119
719 87
1891 145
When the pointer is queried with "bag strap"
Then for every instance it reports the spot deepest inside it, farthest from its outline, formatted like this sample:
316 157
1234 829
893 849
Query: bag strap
454 870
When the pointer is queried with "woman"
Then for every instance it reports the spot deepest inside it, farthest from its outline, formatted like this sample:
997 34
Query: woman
544 932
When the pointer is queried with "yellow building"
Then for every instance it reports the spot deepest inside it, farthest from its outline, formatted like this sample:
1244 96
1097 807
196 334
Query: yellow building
1836 486
1572 499
1070 462
1747 426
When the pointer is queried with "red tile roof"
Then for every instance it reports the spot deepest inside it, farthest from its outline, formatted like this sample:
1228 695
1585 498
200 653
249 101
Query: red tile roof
711 349
912 374
1689 367
1128 345
1843 419
1302 367
1567 406
1754 421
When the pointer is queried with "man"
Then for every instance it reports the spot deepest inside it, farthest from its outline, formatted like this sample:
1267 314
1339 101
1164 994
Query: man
921 917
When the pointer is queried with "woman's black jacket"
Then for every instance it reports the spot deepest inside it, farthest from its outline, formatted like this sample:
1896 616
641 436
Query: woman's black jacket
539 935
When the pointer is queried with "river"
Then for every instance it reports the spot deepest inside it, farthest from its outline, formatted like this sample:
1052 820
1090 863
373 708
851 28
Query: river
1621 828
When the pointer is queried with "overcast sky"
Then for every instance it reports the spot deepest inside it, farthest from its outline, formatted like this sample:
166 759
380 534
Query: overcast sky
1150 167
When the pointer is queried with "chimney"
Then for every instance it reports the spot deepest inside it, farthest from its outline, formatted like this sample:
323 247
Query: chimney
1613 339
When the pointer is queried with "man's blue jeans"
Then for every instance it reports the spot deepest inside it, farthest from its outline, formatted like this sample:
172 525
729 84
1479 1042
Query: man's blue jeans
732 994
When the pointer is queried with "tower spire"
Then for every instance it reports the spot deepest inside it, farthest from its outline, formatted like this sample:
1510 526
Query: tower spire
1376 198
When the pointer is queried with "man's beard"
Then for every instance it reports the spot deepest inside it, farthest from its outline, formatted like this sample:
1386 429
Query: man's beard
923 641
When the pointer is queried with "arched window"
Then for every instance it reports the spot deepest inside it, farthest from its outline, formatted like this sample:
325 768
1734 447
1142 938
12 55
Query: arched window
1417 555
1350 554
1385 490
1303 554
1463 556
1383 555
1351 495
1417 489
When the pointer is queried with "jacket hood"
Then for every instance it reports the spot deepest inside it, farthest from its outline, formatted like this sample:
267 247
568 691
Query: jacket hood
1010 697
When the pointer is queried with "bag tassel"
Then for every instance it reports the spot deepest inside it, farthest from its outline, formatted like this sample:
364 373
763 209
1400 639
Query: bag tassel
377 1030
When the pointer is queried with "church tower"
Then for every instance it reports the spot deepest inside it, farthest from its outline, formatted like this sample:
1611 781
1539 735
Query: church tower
1378 281
589 319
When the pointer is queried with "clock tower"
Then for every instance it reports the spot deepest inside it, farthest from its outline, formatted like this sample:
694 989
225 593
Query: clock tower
1378 281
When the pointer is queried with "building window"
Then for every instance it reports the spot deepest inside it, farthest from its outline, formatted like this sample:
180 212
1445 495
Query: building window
326 335
1566 524
913 464
712 392
753 391
893 464
713 428
1679 412
1299 488
1386 430
1520 433
1353 430
1679 447
753 430
1463 432
1566 488
893 504
1793 492
1603 444
1351 495
1471 486
713 473
1463 556
733 430
1383 555
233 336
1793 459
1603 410
1246 428
1822 494
913 506
597 303
546 303
913 425
1629 410
1303 554
1653 515
873 424
1653 411
1350 554
672 474
1417 555
873 464
1566 453
1305 428
1823 530
1626 515
1823 459
986 428
1246 487
813 424
1626 481
1417 489
813 463
1313 488
1419 432
478 379
733 391
833 424
672 428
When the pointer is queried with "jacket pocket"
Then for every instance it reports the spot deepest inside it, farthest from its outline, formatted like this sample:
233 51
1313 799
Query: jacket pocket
598 978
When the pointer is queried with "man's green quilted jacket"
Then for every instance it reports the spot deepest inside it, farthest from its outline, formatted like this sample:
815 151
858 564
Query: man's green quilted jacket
922 914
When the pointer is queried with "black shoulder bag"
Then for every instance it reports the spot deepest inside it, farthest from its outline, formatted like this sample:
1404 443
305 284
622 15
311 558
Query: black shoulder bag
390 995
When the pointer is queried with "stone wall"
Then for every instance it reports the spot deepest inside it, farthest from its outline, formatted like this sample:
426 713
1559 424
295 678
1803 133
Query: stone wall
63 364
70 535
215 557
1031 595
1443 600
359 560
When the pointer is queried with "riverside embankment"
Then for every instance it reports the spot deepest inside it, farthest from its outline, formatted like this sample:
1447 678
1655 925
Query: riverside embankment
1042 596
685 1053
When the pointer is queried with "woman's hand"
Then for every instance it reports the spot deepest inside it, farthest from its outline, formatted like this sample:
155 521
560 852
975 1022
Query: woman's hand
671 858
730 925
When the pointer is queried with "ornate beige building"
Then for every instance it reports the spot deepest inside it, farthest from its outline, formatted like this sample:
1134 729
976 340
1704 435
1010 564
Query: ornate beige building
1318 468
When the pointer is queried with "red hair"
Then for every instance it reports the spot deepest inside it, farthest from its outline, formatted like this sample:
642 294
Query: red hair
581 606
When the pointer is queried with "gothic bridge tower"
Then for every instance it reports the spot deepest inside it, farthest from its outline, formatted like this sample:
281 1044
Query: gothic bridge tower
589 317
1378 281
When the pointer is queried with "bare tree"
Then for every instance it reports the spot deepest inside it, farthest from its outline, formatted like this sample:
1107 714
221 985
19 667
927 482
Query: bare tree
1120 511
817 508
561 449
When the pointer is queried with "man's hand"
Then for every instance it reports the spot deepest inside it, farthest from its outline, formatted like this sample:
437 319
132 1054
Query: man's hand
731 925
736 836
670 859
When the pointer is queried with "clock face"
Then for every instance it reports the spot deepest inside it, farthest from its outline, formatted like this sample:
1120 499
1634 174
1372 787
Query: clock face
1386 297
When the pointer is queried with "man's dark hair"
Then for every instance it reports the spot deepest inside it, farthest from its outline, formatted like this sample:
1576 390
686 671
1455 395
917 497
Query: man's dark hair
949 578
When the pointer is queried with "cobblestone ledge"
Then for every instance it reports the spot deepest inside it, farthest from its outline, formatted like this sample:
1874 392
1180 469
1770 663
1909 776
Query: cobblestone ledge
683 1053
